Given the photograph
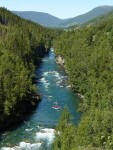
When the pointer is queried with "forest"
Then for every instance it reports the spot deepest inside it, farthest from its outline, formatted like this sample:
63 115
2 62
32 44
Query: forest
22 45
88 54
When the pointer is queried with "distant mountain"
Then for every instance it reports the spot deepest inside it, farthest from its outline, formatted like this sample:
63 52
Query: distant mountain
44 19
48 20
98 11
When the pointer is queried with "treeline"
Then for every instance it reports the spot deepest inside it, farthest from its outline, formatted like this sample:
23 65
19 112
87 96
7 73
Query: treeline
88 53
22 44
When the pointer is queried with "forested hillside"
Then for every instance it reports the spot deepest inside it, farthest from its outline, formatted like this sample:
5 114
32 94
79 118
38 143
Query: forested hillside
22 44
88 54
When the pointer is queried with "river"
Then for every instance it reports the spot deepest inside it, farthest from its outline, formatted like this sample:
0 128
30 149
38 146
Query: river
37 132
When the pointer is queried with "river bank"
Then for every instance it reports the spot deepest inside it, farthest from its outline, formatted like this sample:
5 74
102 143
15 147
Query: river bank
26 110
60 60
25 107
38 130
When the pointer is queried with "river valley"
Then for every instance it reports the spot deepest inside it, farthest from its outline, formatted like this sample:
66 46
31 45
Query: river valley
38 131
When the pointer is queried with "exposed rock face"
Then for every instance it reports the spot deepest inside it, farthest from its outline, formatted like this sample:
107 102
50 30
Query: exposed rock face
60 60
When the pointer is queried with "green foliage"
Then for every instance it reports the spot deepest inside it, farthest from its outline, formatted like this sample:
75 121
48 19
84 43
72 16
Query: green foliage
88 54
22 45
65 132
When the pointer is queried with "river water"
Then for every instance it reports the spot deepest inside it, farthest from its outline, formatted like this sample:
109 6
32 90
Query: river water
38 131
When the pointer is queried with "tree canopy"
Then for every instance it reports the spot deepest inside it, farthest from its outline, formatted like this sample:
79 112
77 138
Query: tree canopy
22 45
88 54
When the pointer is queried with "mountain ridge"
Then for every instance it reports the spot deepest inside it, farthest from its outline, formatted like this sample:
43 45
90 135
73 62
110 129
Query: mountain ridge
49 20
83 18
42 18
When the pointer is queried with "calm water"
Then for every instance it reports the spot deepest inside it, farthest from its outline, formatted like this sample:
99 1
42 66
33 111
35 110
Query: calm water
37 133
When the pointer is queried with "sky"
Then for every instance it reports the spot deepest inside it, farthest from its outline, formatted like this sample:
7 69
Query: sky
59 8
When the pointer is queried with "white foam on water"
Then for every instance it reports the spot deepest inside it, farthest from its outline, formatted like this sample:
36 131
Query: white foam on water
46 85
58 77
52 50
53 72
28 130
45 73
47 130
59 82
61 85
56 74
43 80
25 146
40 127
7 148
29 146
46 135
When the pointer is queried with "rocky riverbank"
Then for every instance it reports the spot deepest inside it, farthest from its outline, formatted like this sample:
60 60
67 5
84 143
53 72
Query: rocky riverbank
61 61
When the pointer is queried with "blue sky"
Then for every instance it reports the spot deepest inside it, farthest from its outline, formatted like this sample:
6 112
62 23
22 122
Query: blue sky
58 8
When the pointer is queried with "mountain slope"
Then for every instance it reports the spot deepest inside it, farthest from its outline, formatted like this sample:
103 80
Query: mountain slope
44 19
48 20
98 11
